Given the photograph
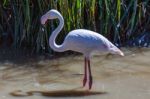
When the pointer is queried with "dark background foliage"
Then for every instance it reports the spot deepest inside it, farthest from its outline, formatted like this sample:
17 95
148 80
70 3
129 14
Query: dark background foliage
124 22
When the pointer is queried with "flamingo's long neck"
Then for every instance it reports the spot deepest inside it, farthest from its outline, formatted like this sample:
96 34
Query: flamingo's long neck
53 45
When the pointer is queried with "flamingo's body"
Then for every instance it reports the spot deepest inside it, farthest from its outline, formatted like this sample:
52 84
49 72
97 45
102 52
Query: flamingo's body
80 40
86 42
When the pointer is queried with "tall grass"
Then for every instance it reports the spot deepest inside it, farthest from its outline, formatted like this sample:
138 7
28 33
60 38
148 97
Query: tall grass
118 20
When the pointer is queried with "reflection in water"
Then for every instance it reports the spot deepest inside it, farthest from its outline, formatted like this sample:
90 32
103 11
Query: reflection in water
57 93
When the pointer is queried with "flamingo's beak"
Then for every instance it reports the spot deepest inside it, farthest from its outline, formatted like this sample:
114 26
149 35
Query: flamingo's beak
43 19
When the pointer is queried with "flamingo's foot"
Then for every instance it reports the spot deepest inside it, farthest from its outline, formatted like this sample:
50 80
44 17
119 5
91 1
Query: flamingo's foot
84 81
90 82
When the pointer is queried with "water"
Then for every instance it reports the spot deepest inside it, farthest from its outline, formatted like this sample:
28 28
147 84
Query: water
114 77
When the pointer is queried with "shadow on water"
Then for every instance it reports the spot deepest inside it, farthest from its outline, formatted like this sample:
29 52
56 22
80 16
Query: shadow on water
57 93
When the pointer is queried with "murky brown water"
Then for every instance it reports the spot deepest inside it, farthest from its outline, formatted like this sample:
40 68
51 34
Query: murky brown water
114 77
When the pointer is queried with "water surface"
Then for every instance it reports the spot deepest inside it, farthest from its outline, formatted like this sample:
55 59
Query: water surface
114 77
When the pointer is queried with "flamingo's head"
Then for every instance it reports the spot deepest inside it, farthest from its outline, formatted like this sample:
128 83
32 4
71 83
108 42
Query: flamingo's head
51 14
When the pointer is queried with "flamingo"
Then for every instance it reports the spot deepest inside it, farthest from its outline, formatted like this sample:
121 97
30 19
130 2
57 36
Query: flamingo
80 40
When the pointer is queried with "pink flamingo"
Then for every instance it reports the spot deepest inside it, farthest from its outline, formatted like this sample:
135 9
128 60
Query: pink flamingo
80 40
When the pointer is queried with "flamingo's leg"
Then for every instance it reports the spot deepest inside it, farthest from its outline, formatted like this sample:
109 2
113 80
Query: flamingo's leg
90 75
85 72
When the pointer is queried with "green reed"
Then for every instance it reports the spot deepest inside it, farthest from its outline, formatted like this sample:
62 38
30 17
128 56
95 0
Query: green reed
118 20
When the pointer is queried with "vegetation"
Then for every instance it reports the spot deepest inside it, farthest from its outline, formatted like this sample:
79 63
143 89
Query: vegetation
118 20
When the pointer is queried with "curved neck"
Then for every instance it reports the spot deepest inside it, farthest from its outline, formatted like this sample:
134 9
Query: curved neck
53 45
